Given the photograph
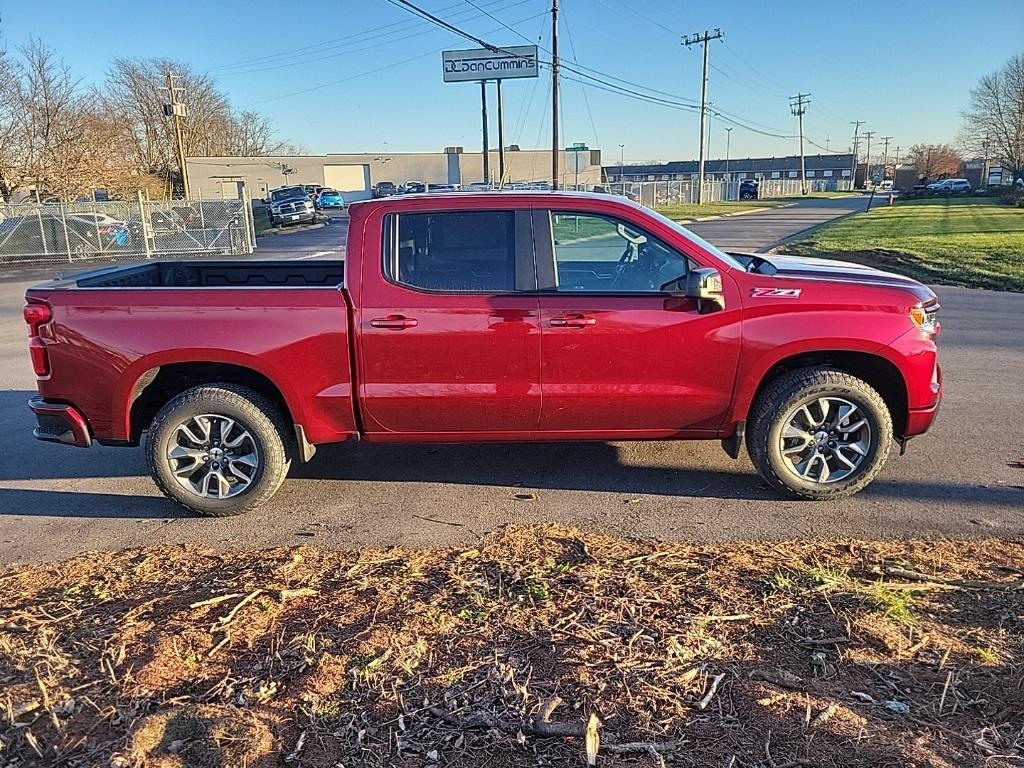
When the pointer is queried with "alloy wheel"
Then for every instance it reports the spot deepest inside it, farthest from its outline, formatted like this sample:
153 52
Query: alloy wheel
213 456
825 440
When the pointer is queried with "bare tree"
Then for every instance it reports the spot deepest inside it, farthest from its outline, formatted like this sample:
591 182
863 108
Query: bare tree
994 121
135 92
934 160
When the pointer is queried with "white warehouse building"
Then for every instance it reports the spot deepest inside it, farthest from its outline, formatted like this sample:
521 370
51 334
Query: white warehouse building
354 174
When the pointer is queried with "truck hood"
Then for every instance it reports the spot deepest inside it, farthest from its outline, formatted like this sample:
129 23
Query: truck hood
830 269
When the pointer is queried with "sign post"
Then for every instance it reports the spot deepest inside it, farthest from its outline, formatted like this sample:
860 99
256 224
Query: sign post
578 161
484 64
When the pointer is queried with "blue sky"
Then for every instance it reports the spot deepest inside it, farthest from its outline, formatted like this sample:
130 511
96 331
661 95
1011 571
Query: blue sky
371 73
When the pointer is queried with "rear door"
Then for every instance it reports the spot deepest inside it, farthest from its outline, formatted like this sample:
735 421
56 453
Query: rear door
449 324
622 354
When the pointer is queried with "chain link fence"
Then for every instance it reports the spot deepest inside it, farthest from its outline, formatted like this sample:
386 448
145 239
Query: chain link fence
125 230
655 194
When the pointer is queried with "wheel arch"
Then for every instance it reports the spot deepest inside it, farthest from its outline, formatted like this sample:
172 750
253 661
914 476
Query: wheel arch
879 372
158 385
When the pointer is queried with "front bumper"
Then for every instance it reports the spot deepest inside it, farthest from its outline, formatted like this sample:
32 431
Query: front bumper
60 423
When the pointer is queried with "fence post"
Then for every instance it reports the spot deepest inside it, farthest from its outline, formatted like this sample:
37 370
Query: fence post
145 225
64 221
250 227
96 221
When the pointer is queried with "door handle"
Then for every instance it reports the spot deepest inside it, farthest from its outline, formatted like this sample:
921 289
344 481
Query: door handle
394 322
573 321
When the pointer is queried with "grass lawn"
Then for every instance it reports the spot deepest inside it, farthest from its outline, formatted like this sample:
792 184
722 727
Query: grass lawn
971 241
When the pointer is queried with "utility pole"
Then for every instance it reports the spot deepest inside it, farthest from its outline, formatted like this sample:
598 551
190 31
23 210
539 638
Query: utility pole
798 106
501 139
554 94
622 167
487 148
867 157
885 156
176 110
853 171
895 165
690 40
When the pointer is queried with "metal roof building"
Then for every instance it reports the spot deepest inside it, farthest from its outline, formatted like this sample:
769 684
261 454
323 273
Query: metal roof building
818 166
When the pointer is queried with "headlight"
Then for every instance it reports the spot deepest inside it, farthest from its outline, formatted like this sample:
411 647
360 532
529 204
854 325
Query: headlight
926 317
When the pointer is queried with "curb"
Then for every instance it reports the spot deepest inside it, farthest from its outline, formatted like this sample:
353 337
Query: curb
772 247
762 209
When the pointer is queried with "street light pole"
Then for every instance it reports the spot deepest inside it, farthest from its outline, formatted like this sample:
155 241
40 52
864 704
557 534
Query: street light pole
728 139
622 167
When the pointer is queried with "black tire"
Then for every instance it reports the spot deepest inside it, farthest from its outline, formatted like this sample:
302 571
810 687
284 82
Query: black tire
784 396
253 413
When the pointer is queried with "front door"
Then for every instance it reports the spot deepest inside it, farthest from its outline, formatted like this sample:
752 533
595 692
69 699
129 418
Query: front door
449 326
620 352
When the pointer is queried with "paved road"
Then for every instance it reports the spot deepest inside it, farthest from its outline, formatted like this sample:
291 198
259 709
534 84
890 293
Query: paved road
321 242
764 229
957 481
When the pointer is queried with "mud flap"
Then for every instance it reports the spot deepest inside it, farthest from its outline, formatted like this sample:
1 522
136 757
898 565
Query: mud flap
733 445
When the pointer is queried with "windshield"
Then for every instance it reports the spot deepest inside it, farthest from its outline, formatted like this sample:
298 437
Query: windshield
328 192
731 261
287 192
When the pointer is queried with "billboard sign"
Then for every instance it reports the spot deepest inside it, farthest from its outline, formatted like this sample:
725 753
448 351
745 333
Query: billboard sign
483 64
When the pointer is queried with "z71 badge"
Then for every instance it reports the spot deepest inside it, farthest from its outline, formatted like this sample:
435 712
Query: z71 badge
775 293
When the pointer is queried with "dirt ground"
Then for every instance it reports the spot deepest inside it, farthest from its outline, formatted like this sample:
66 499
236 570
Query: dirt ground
543 645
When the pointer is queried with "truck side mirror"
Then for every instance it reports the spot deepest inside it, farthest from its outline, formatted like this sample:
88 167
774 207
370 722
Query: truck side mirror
705 285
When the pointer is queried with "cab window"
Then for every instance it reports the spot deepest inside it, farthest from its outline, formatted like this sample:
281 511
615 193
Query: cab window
602 254
453 251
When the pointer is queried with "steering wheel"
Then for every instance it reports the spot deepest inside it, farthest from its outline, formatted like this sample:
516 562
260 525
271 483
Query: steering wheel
634 242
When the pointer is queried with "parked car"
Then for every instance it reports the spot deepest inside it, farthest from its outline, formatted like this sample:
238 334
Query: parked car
412 187
385 189
439 324
312 190
76 235
749 189
442 188
950 187
290 205
330 198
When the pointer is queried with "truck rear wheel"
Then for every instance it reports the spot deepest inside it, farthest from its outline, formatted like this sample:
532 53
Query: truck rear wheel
819 433
218 450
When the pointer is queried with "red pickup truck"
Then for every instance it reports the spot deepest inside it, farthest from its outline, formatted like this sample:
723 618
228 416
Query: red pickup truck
487 317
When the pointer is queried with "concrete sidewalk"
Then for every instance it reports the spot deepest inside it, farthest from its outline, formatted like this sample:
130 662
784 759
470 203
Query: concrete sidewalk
762 230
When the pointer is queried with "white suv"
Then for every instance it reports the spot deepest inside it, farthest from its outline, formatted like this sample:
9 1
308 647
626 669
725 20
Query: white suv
951 186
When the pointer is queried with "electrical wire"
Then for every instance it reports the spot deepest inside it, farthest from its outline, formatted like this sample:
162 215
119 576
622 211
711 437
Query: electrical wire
307 50
583 88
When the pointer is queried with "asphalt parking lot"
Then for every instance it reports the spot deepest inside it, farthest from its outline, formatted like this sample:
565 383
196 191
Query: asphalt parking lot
959 480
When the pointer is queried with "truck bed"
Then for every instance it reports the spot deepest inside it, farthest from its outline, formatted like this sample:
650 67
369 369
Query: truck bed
132 328
211 274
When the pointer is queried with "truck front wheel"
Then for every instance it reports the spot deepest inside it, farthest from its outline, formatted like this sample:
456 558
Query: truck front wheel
218 449
819 433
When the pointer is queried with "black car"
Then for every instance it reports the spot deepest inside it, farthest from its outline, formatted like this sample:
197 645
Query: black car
385 189
412 187
748 189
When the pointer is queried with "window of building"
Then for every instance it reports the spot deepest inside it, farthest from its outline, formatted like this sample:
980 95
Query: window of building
776 175
603 254
792 174
827 174
758 175
651 177
846 174
463 251
810 174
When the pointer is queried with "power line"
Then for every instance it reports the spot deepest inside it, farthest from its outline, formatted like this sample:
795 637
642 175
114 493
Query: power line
355 37
583 88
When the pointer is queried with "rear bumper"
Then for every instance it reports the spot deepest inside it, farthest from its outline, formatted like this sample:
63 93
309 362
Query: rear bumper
60 423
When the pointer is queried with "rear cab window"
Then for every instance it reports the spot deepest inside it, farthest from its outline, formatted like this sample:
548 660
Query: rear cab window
457 251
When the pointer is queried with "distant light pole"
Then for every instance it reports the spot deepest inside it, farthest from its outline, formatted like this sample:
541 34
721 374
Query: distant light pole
622 167
728 137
